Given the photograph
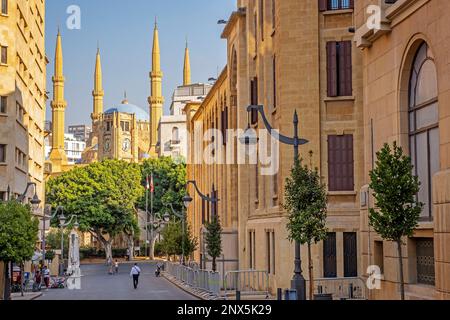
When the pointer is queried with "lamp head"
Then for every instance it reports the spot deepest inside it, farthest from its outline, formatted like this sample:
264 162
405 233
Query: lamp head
35 202
166 217
249 138
187 199
62 219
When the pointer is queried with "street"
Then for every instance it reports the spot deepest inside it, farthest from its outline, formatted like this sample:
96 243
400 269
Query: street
97 284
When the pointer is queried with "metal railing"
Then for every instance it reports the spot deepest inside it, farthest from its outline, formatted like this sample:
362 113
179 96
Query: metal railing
341 288
199 279
247 282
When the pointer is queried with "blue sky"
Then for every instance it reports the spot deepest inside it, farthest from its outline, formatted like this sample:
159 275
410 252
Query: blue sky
124 30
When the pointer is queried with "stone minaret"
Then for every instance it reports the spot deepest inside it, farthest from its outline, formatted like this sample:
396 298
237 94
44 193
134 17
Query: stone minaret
58 155
187 67
156 100
98 92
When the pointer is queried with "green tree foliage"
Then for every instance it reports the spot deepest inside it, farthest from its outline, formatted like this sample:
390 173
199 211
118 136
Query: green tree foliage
306 203
395 189
103 195
53 240
169 180
174 240
213 239
18 232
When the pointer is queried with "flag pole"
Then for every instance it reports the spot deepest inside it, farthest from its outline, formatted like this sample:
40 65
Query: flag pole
151 209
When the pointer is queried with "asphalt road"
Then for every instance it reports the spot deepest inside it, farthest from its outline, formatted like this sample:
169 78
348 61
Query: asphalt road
97 284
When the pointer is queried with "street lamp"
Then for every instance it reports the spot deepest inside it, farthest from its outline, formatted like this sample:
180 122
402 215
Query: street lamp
298 282
187 199
49 216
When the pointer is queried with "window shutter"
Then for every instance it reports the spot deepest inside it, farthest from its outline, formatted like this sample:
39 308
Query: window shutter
203 212
323 5
332 69
340 163
352 4
345 68
254 100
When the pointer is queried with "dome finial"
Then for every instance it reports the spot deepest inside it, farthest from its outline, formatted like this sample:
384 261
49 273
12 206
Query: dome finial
125 101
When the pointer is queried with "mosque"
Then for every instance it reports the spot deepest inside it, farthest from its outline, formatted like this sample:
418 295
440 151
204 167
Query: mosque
123 131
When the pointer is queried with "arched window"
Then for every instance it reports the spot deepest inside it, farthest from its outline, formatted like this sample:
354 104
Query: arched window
424 124
175 134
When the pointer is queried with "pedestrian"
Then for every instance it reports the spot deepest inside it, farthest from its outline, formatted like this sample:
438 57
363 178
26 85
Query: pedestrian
135 273
46 274
116 266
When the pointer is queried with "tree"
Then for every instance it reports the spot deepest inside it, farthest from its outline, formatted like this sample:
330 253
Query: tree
395 191
174 241
306 203
213 239
53 240
169 179
18 234
103 195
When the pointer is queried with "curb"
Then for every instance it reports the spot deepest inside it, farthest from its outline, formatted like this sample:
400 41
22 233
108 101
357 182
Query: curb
199 294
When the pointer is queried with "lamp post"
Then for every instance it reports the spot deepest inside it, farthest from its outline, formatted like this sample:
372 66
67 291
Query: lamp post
211 199
298 282
49 217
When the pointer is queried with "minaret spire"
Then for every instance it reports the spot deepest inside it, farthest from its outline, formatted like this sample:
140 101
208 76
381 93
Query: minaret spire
58 155
156 100
98 92
187 66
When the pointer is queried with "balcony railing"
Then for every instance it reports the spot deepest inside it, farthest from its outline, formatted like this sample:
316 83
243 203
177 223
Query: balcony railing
342 288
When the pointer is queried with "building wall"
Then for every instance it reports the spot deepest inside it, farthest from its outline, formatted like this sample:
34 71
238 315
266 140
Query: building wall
297 40
172 144
209 115
23 82
387 56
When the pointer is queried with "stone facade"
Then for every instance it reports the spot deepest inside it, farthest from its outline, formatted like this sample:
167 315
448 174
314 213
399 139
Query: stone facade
23 94
284 48
389 54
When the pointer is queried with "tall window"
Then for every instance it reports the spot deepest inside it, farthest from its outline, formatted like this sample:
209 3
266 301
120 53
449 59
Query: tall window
4 55
254 99
424 124
339 68
274 76
340 163
325 5
329 256
5 7
261 18
3 104
273 14
2 153
175 135
350 255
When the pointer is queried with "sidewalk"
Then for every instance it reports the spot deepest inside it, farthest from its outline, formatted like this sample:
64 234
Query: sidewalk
26 296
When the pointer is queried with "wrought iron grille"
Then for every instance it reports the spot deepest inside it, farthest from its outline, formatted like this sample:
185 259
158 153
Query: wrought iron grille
425 261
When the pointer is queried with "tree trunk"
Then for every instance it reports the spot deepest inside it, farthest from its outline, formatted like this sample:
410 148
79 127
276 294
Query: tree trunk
152 247
402 280
22 278
130 242
108 251
214 266
311 273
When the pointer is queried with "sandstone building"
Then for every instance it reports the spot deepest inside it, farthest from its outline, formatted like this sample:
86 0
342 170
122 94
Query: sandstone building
406 71
289 56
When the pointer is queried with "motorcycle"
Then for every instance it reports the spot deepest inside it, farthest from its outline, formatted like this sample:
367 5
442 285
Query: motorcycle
158 271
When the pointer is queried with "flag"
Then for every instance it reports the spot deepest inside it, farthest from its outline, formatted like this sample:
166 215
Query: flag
152 186
147 185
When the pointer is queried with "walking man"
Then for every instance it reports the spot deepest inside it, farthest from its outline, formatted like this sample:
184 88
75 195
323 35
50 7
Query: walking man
46 274
135 273
116 267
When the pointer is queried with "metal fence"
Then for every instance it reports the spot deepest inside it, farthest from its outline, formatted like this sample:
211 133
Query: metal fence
247 282
195 278
341 288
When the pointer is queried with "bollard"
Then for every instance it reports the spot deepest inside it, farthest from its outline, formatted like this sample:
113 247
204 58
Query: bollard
238 295
290 295
279 294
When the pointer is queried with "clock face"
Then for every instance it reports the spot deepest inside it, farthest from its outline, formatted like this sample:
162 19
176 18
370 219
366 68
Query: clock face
126 145
107 145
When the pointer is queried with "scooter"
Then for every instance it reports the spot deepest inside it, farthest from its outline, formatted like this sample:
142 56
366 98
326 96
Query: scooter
158 271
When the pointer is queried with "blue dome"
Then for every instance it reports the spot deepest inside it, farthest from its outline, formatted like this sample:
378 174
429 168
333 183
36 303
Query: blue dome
124 107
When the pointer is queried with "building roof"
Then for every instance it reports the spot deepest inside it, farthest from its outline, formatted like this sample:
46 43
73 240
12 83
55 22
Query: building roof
125 107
